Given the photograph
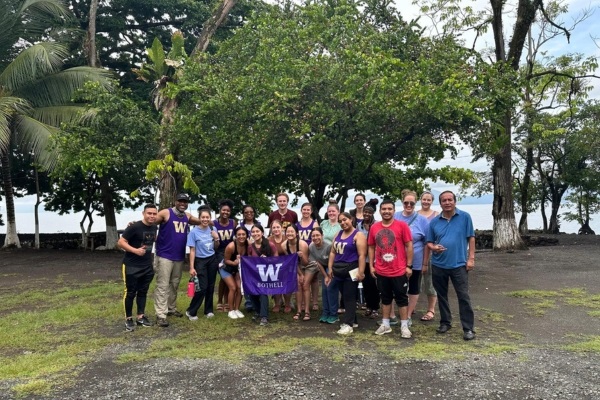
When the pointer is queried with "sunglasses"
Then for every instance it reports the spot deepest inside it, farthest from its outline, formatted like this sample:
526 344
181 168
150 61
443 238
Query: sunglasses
409 203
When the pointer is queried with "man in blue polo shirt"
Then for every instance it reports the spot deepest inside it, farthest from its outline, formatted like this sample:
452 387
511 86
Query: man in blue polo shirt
451 239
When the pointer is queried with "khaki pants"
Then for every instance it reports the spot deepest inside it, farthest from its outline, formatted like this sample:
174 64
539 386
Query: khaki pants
168 276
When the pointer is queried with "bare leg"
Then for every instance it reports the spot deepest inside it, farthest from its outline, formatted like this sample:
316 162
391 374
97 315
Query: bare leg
412 303
314 289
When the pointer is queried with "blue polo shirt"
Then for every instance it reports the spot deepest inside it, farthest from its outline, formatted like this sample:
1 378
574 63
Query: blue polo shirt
454 235
202 240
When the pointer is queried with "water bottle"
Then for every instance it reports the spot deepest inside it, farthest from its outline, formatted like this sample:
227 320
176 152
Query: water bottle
361 295
196 284
191 288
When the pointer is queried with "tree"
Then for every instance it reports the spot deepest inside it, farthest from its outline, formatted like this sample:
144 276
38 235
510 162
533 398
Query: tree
35 93
112 149
319 99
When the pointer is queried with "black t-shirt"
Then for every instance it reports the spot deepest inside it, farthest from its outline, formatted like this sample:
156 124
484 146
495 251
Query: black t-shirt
137 235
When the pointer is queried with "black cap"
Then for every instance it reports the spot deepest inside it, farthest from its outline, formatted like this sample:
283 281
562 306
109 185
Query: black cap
183 197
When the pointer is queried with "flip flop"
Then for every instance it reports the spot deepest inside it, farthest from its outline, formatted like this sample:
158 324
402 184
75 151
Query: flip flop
428 316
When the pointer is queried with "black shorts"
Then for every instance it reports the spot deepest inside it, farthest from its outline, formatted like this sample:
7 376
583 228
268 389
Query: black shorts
393 288
414 282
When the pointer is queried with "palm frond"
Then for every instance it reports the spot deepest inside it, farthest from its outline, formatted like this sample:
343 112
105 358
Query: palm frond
32 64
59 88
33 136
56 115
9 107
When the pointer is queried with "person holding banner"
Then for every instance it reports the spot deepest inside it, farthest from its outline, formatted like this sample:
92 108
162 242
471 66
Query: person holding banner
346 266
293 245
277 238
202 241
229 271
261 247
305 227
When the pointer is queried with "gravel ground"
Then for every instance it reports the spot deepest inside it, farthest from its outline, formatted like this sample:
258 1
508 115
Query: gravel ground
539 367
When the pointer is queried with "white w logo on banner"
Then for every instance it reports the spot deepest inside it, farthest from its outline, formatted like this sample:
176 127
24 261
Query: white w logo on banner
268 272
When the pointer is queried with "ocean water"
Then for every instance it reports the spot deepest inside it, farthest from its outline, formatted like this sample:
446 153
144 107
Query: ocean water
69 223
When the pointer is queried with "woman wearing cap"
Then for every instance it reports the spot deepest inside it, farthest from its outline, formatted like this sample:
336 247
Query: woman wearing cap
427 212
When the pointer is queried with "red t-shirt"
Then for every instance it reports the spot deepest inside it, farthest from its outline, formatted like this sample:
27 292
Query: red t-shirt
390 250
289 218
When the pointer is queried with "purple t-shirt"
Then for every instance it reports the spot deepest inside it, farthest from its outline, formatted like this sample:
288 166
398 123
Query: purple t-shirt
345 249
172 237
225 234
304 232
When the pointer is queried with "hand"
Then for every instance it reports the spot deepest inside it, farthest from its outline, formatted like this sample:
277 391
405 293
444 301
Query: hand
470 264
141 251
192 272
360 276
438 248
327 280
373 274
424 268
215 235
408 272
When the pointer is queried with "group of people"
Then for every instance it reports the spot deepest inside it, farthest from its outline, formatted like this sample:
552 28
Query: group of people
390 260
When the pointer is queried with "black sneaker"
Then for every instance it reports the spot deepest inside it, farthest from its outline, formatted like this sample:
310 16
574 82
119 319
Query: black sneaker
162 322
143 321
175 314
129 325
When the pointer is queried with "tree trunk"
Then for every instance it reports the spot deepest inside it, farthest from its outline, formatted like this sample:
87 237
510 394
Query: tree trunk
90 43
11 239
112 235
211 25
38 201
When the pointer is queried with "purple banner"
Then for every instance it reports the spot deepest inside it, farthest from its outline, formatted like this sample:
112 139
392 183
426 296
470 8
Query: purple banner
269 275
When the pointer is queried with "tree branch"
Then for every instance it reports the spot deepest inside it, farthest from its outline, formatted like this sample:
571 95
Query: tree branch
551 22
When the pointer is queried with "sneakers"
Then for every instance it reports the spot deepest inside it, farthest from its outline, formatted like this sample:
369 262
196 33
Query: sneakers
393 321
323 319
175 314
382 330
332 320
354 325
239 314
143 321
405 332
231 314
264 321
210 315
345 330
129 325
191 317
162 322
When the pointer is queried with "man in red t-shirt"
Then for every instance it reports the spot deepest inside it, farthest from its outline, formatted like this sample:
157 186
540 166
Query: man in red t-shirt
287 217
391 254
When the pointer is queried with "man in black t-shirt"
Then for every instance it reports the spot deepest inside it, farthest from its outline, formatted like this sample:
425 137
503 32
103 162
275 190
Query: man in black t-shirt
137 241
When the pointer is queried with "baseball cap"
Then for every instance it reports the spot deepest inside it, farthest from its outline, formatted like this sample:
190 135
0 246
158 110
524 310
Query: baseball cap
183 197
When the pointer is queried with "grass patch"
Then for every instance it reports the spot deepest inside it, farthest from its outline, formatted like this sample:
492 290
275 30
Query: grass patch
534 294
595 313
33 387
489 316
539 309
589 346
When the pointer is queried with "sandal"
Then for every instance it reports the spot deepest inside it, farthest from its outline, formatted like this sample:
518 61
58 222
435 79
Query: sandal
219 307
288 309
315 307
306 316
225 307
341 310
276 309
428 316
297 316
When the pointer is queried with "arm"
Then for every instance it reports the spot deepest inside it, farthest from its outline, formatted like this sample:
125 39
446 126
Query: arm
471 260
215 237
361 247
162 216
124 244
303 252
408 246
192 259
228 253
193 220
372 260
330 261
426 256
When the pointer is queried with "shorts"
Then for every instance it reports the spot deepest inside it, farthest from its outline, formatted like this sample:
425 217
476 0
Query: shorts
414 283
224 274
311 268
393 287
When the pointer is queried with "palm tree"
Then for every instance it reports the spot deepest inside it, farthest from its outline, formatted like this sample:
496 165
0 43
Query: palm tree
35 91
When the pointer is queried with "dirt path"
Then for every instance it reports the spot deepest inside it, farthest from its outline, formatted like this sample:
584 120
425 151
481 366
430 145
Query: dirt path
541 368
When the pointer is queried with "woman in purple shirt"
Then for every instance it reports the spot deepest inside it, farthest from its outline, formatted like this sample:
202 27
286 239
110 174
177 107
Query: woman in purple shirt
348 252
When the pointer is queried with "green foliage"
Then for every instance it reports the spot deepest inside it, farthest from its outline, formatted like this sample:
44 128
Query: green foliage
168 168
322 98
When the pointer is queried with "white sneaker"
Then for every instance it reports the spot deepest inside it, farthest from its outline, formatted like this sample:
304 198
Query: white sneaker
231 314
409 322
382 330
405 332
191 317
210 315
345 330
239 314
354 325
